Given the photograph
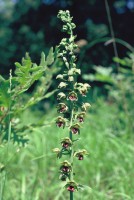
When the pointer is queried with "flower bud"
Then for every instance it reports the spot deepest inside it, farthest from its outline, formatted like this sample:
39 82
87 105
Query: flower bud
70 78
56 150
64 58
61 95
85 106
83 92
62 85
59 76
67 64
64 28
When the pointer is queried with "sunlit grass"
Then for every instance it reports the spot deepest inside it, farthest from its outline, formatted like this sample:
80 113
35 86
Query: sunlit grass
32 173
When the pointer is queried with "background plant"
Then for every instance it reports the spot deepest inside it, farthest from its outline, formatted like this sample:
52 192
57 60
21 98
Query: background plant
14 101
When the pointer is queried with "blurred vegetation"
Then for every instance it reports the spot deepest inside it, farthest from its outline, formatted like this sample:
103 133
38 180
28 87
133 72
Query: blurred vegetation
31 172
32 26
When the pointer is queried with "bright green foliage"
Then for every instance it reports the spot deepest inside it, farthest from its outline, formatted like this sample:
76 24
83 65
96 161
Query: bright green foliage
12 90
5 98
108 171
119 85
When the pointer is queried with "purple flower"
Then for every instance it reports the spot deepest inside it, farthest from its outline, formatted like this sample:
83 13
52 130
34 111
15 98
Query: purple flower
71 188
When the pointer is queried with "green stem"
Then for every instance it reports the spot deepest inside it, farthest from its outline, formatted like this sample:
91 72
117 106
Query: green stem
71 195
71 156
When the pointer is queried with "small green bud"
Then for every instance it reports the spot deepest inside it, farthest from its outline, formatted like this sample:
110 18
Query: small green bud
64 58
71 53
74 65
59 76
67 64
66 163
86 85
62 85
78 71
73 25
70 78
85 106
61 95
73 57
56 150
67 12
60 54
64 28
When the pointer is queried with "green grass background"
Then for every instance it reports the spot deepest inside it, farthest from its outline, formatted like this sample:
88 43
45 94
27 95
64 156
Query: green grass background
31 173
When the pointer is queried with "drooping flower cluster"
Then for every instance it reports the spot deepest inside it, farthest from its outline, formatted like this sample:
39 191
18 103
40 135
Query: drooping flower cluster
70 106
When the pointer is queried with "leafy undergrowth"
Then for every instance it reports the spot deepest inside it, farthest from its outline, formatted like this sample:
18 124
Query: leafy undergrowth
31 172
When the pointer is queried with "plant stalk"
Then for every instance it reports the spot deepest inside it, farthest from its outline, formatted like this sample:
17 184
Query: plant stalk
71 195
71 156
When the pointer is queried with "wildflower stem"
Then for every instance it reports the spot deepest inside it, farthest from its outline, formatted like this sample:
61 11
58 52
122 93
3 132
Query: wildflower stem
71 156
71 195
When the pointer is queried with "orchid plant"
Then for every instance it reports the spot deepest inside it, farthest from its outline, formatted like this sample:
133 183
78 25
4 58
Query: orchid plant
71 106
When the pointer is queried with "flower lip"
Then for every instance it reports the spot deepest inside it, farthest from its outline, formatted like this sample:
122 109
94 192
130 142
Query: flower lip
71 188
60 124
62 108
72 96
80 157
80 119
74 130
65 144
65 169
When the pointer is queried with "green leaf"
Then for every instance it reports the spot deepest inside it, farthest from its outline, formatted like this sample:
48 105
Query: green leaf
27 73
5 97
43 60
50 57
